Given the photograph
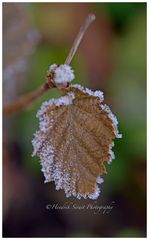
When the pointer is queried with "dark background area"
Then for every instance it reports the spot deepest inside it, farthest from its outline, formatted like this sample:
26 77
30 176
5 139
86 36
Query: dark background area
112 58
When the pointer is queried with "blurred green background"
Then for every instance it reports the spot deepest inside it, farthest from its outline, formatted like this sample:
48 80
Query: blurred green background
112 57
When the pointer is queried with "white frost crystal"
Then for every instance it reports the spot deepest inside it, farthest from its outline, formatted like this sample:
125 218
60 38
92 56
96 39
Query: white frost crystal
65 100
62 74
97 93
52 68
113 118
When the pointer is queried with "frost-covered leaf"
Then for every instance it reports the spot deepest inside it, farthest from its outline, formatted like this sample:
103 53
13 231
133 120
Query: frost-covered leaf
75 137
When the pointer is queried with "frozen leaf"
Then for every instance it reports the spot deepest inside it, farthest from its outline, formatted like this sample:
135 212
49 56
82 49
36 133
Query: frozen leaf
74 140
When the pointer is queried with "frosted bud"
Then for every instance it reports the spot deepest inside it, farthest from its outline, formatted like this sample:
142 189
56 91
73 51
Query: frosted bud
62 74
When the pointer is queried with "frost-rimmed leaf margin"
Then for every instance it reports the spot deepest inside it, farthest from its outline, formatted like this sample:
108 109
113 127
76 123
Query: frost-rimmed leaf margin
47 155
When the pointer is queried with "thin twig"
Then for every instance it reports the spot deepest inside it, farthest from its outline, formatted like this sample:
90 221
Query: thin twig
26 100
90 18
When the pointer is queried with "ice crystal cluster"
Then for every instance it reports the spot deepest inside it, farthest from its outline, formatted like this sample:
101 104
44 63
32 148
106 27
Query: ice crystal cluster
62 74
75 137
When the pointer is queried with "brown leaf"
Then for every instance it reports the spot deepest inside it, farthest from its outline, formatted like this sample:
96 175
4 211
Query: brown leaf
74 140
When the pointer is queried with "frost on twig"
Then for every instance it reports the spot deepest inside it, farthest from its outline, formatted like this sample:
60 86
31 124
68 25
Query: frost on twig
58 76
61 75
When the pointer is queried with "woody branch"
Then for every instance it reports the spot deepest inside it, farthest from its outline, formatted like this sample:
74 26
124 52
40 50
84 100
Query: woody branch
24 101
